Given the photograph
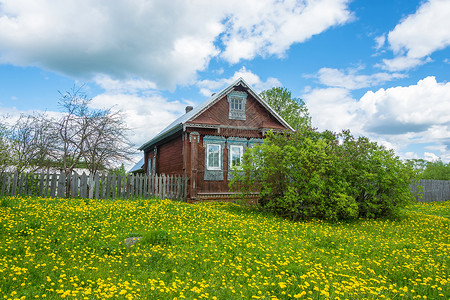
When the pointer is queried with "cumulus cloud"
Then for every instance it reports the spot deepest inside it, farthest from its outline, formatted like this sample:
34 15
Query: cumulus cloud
145 115
164 42
413 108
207 87
350 79
271 27
416 37
397 116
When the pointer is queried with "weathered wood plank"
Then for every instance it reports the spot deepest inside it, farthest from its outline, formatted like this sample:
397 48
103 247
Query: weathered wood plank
108 186
83 186
41 185
103 187
113 186
4 183
20 184
140 185
91 186
74 185
53 185
61 185
96 186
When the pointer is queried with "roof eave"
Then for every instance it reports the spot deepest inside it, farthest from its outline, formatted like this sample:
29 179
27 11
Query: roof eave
161 137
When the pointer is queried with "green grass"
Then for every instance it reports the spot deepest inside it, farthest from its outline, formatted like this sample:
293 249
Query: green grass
74 249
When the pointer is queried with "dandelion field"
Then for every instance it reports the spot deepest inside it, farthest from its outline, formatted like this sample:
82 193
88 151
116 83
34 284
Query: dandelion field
74 249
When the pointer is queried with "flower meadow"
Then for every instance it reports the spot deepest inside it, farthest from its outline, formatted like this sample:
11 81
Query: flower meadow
74 249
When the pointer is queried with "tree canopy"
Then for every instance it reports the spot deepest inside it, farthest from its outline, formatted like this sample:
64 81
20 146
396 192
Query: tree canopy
292 110
95 139
325 175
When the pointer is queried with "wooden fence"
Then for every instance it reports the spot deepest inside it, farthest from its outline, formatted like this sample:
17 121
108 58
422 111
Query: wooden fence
106 186
433 190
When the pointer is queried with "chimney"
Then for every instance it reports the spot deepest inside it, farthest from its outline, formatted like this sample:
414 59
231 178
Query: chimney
189 108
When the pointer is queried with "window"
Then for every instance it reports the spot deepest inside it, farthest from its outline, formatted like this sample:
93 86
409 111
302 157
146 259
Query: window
213 157
236 107
214 146
236 156
236 104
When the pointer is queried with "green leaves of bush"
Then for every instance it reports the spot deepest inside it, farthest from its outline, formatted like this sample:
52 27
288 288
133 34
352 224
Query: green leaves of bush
326 175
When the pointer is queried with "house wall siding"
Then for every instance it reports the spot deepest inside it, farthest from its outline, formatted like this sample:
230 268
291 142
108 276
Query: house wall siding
170 157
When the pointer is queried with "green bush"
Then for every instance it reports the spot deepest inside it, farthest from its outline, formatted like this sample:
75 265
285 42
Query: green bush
326 175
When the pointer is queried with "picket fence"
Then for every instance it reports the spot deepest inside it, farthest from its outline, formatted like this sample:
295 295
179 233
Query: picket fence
105 186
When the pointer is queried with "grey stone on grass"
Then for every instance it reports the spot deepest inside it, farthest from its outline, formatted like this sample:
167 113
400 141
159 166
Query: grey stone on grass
132 240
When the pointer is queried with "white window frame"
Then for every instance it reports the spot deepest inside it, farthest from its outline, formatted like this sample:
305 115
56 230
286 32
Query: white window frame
241 151
208 167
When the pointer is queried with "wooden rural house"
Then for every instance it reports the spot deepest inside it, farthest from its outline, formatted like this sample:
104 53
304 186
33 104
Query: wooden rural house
209 140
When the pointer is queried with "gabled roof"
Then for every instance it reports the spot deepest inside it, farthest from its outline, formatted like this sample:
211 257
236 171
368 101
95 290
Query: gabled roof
178 123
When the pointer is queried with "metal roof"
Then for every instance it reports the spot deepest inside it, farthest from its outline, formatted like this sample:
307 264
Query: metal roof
138 166
178 123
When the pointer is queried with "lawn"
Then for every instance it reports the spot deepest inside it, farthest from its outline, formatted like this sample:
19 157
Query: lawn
74 249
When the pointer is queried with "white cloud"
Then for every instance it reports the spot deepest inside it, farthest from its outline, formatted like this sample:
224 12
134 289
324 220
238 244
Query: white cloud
419 35
146 116
397 116
271 27
431 156
163 42
207 87
350 79
332 109
123 86
413 108
380 41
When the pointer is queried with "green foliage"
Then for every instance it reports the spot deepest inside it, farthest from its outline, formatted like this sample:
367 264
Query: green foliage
292 110
119 170
437 170
325 175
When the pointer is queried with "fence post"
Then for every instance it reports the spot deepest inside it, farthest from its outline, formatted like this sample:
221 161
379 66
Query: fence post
61 185
91 186
83 186
53 185
96 187
74 185
3 184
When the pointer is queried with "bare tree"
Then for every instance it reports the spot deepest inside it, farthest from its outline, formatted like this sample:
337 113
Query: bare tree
5 155
108 143
94 138
31 142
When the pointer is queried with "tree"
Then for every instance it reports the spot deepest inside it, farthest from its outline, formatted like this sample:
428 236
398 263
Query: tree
292 110
5 155
31 142
96 138
436 170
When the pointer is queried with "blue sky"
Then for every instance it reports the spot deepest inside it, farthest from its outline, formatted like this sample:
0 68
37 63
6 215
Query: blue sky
378 68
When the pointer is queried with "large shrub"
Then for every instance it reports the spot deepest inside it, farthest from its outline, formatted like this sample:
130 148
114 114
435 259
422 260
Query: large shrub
325 175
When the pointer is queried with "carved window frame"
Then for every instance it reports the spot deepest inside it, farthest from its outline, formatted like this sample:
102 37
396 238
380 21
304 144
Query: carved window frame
209 153
232 142
236 105
213 174
241 153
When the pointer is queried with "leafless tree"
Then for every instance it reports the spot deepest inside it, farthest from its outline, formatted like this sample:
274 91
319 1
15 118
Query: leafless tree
5 154
108 143
31 142
95 138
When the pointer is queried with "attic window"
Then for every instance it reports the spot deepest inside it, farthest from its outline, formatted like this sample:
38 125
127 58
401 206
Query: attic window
237 102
